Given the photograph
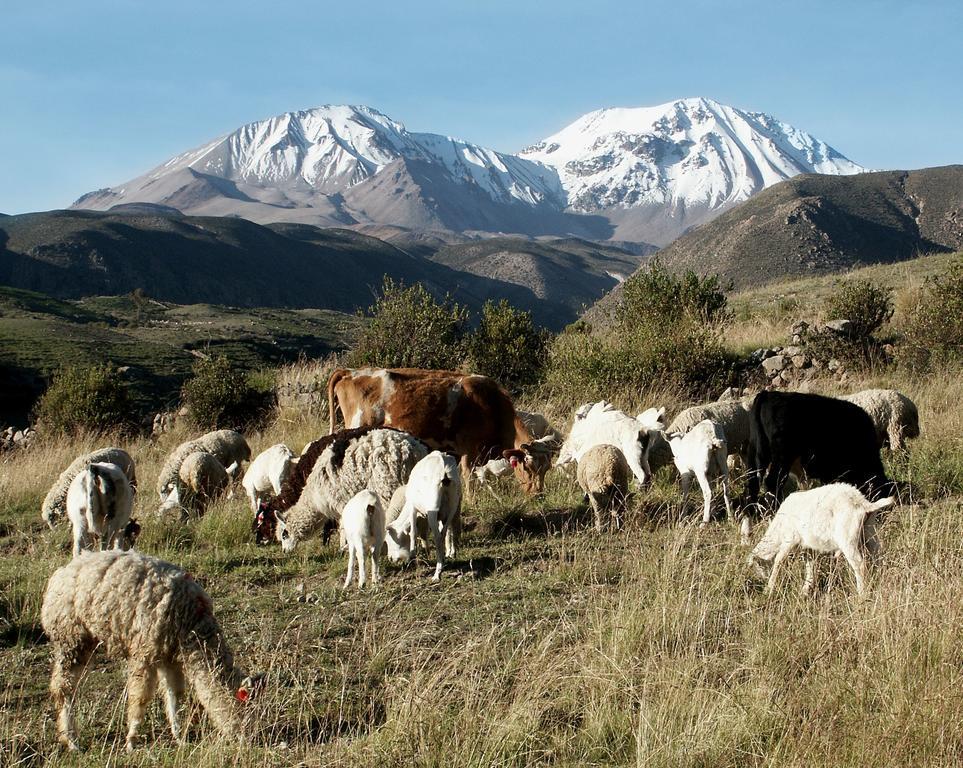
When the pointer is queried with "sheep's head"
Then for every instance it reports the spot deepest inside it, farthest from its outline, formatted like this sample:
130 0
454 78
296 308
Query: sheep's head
265 524
398 541
283 533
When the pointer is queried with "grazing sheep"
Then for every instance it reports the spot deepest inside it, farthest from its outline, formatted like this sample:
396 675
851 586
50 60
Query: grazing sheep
731 415
831 518
433 492
601 424
363 527
99 503
894 415
603 474
701 453
538 425
374 458
229 447
267 474
201 477
499 467
55 503
157 617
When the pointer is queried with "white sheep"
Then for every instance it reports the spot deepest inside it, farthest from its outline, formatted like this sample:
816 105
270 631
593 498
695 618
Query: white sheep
377 458
603 474
539 427
201 477
433 492
99 503
55 502
831 518
701 453
731 415
601 424
894 415
157 617
267 474
363 528
229 447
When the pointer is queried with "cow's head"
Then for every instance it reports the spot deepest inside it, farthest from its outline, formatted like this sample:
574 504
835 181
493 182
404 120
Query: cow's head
531 461
265 524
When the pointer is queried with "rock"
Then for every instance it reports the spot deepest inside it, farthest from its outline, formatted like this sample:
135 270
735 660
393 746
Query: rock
833 364
774 364
842 327
800 360
792 351
18 436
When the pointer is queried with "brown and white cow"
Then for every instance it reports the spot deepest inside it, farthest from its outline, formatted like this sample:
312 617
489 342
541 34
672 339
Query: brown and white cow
466 414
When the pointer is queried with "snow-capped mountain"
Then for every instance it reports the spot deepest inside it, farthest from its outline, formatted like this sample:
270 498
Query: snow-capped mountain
643 174
689 152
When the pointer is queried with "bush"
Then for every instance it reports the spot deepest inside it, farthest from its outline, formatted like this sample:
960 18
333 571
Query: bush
508 346
220 397
867 305
667 335
934 328
85 398
409 329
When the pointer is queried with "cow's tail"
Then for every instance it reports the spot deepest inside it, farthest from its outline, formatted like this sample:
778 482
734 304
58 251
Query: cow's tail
336 375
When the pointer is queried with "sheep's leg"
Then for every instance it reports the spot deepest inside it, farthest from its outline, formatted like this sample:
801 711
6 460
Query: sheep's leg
776 563
174 687
362 574
414 532
347 579
810 579
63 686
706 497
141 686
724 482
439 543
856 561
597 501
375 575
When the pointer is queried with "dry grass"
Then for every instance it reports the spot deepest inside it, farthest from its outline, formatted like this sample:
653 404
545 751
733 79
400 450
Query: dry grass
544 643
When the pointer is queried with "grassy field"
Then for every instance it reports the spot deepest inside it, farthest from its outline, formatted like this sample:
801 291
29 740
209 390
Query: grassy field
544 643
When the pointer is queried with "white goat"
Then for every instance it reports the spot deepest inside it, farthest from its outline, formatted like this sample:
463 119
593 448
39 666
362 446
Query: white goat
267 473
363 529
701 453
832 518
602 424
433 491
99 502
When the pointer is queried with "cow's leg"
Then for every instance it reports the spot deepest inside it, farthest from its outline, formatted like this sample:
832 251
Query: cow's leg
141 686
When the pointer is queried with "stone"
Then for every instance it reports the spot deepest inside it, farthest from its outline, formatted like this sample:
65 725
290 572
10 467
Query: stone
833 364
774 364
800 360
792 351
842 327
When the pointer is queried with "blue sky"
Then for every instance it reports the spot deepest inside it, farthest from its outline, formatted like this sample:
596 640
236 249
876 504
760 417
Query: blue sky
93 93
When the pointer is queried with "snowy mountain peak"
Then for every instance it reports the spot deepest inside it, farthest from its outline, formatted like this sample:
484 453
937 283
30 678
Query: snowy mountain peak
690 152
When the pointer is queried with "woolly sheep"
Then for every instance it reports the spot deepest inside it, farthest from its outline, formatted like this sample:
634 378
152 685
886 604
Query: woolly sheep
433 492
268 473
157 617
600 424
603 474
731 415
831 518
363 526
894 415
374 458
229 447
55 503
99 503
701 453
539 427
201 477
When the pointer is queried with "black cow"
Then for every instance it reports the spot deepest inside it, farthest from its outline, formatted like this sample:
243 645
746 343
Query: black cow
830 440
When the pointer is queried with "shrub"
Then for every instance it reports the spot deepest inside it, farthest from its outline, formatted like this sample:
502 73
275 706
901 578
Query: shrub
218 396
85 398
508 346
867 305
655 296
934 328
408 328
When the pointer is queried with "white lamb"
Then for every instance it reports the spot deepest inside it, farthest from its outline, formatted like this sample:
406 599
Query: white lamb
831 518
601 424
433 492
894 415
99 503
157 617
228 447
55 503
701 453
201 478
603 474
268 473
363 528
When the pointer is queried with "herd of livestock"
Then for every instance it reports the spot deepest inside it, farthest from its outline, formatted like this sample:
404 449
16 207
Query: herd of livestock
396 473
